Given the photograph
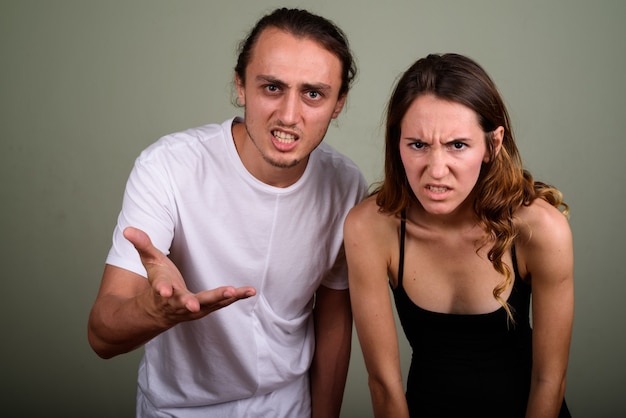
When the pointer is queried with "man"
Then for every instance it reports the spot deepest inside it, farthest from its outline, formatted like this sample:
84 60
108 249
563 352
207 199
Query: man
251 209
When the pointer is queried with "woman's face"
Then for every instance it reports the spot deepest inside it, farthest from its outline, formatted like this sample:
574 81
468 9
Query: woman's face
442 147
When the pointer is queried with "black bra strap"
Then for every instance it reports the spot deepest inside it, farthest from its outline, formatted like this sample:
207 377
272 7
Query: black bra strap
401 262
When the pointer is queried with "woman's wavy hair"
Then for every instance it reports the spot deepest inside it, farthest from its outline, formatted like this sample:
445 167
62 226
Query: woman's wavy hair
503 185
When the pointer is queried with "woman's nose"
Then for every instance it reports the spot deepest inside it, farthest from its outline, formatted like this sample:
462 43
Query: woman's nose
437 164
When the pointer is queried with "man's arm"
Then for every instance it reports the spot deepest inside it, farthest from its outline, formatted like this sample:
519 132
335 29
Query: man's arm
333 338
130 310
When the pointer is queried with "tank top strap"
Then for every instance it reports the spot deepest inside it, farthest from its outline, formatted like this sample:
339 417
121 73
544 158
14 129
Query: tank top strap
514 261
401 262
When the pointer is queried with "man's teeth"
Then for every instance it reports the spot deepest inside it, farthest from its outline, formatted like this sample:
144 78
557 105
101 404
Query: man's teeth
284 137
437 189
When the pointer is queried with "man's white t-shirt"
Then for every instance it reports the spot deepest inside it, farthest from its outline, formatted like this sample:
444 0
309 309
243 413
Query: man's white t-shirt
192 195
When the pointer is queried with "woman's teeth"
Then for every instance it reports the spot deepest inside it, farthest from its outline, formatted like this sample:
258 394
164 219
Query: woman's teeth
437 189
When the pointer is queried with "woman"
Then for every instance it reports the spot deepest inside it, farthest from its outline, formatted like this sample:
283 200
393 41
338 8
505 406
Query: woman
461 233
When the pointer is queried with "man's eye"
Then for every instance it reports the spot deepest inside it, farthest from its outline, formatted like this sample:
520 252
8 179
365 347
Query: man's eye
313 95
271 88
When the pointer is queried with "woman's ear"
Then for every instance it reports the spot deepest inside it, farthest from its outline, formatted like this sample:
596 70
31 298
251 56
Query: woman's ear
497 138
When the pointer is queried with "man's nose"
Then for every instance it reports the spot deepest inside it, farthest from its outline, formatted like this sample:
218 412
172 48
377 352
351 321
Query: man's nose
290 107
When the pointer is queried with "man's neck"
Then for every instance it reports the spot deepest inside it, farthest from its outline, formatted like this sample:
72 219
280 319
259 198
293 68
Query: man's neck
262 170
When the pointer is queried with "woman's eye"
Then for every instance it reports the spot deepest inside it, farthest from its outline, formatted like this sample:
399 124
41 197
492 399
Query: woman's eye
418 145
458 145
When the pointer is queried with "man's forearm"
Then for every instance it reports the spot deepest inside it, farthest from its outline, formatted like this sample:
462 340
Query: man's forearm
333 339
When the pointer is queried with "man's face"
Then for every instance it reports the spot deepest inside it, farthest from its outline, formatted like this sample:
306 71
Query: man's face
290 95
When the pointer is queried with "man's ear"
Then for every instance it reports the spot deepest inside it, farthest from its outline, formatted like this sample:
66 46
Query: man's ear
340 103
241 91
497 138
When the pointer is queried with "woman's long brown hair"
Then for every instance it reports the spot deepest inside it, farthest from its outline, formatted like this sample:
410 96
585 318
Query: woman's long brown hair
503 185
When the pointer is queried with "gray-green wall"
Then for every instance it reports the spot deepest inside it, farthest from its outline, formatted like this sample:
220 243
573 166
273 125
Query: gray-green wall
85 85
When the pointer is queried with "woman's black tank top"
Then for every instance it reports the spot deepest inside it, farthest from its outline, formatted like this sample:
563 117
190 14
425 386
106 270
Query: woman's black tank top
467 365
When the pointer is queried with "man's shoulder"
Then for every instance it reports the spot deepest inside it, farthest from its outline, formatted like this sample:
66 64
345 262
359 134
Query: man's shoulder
186 140
196 134
339 170
335 160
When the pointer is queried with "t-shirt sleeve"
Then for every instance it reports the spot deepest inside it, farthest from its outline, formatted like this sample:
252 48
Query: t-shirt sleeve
337 277
147 205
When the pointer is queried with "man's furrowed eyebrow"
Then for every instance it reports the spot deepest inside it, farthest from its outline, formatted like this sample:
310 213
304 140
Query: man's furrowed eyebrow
305 86
271 80
316 86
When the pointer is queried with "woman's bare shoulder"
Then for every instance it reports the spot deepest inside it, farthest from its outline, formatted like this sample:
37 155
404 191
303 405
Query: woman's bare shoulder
544 243
541 218
366 219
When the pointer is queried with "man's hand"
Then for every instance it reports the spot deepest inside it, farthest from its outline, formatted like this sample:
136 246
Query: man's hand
171 300
130 310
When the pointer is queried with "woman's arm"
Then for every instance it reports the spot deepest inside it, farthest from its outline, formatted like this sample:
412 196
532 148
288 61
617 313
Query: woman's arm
368 236
547 253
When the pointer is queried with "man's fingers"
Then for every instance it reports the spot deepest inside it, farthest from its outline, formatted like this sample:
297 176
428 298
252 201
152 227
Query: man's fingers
224 296
163 288
140 240
192 304
149 254
209 300
240 293
162 275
